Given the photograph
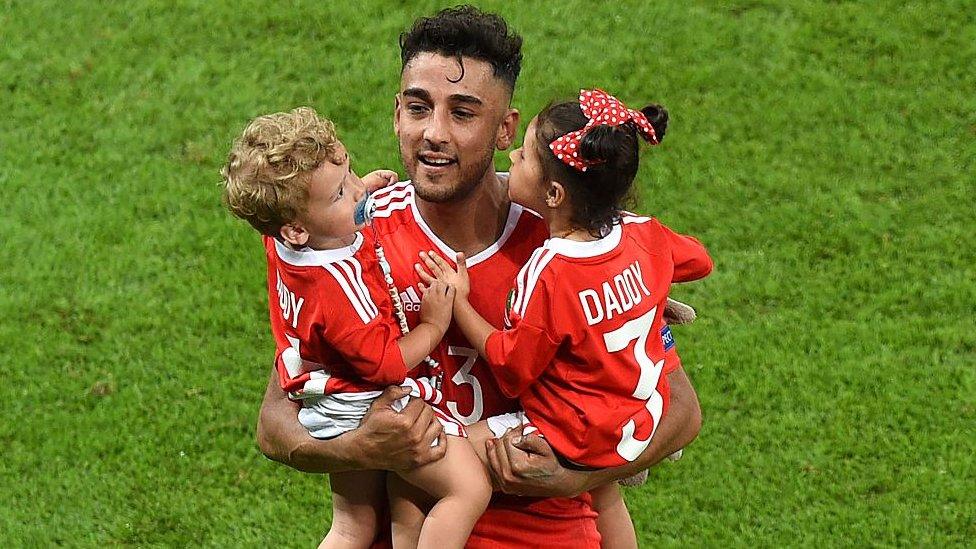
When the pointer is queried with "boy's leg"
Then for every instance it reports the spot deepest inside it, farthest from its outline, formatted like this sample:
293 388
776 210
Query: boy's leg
613 520
357 500
460 484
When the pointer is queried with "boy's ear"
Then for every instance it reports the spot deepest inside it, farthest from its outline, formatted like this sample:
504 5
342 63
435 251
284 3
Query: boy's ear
294 234
556 194
507 130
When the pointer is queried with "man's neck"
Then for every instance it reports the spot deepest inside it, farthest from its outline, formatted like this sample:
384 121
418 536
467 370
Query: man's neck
473 223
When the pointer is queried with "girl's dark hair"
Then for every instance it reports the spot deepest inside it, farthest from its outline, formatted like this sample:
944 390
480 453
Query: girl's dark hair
597 195
466 31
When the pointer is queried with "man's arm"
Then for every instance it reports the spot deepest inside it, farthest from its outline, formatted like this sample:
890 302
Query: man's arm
386 439
529 467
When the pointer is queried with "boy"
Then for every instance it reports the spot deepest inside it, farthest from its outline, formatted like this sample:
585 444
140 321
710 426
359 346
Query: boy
332 316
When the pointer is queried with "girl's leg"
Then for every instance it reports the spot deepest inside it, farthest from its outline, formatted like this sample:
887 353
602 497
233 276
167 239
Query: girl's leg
409 506
460 484
357 500
478 433
613 520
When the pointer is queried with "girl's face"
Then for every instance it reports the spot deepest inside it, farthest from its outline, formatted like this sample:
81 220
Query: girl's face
526 182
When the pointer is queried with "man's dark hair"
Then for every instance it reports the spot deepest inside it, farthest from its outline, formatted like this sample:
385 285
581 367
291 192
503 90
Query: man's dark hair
466 31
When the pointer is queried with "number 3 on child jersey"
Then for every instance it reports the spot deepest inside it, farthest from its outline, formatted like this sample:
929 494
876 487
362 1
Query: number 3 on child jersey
630 447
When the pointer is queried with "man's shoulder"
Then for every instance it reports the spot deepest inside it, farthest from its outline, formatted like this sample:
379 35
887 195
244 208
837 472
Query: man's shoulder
395 198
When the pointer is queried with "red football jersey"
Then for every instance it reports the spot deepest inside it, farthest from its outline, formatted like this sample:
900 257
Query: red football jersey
586 348
334 308
470 390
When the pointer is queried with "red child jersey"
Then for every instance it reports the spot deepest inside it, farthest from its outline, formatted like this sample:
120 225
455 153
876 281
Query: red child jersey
333 307
470 390
585 350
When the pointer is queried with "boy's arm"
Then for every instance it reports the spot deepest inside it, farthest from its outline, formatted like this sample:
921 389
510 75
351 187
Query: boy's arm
387 440
526 466
435 317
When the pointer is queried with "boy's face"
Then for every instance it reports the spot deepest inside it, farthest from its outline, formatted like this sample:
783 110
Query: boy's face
449 127
333 191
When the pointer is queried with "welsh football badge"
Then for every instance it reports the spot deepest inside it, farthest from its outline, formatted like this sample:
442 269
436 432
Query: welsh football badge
509 302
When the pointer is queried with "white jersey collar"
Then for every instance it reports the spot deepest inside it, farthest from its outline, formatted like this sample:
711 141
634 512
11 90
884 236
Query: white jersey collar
593 248
307 257
514 212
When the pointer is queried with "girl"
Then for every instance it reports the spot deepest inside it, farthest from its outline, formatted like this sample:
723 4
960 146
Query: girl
585 350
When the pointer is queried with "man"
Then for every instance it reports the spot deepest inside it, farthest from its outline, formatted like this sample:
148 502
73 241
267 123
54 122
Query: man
452 111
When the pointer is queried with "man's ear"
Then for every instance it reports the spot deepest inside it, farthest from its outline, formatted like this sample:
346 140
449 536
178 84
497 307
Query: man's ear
556 194
293 234
507 130
396 115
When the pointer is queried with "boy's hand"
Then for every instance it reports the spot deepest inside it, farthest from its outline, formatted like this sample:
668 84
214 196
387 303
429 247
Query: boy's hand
439 269
436 304
379 179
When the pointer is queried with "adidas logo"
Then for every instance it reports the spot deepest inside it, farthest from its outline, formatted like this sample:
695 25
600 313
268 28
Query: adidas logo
410 300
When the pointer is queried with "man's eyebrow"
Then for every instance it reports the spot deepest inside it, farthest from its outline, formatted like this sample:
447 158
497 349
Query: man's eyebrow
423 95
418 93
461 98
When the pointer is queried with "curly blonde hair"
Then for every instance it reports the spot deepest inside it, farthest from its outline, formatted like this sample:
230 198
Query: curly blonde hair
267 172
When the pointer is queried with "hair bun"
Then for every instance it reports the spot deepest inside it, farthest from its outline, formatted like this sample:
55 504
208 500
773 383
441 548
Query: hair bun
657 115
605 143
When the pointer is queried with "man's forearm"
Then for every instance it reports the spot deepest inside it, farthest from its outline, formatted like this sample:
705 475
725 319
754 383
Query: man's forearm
386 439
676 431
284 440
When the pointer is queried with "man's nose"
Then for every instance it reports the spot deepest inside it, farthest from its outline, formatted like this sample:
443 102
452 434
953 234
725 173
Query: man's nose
437 128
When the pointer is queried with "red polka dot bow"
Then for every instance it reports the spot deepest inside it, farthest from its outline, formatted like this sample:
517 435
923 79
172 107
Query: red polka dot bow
602 109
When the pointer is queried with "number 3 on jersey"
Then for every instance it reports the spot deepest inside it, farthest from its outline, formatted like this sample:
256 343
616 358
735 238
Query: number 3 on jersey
465 377
631 447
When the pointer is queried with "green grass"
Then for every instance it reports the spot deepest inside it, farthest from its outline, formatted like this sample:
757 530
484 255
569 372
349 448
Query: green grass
824 152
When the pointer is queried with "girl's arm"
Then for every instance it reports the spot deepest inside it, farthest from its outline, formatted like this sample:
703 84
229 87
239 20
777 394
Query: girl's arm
476 329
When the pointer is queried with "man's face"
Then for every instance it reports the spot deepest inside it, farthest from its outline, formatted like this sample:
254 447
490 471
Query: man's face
448 130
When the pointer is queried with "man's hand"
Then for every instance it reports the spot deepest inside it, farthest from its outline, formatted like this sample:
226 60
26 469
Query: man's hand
386 439
398 441
526 466
379 179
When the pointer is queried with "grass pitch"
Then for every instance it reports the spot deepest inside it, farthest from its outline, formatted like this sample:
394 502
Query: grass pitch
823 151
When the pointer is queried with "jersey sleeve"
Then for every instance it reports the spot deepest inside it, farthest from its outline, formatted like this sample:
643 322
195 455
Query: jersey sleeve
299 378
355 328
691 259
518 355
671 359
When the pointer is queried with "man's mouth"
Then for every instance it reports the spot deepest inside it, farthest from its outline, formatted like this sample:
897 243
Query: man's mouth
435 160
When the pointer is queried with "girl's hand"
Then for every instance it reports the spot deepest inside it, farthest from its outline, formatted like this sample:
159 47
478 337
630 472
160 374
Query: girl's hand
437 268
379 179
